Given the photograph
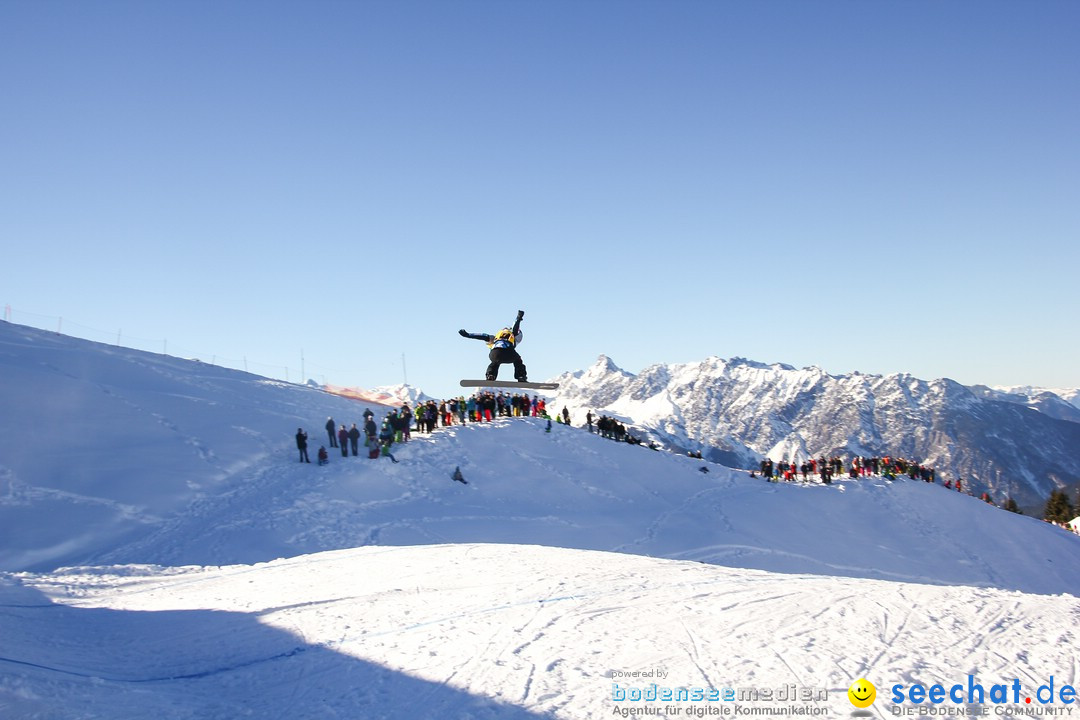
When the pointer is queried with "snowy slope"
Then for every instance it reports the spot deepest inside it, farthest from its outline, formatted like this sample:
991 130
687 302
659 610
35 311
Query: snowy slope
493 631
570 489
177 463
406 595
103 443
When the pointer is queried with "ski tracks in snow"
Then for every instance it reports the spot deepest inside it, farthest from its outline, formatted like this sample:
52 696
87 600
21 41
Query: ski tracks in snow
544 630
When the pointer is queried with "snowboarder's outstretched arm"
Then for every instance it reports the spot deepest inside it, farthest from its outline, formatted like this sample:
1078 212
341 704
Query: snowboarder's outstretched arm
477 336
491 338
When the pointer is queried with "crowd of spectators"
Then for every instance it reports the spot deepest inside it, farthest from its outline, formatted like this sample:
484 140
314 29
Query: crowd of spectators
399 423
825 470
484 406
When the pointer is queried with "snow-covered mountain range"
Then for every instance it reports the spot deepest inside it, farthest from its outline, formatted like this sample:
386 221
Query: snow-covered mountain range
1019 442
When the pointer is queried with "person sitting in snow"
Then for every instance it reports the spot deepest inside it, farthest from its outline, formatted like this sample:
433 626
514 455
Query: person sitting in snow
503 349
323 457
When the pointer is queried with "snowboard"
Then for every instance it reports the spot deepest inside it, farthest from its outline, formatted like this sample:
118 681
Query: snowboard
509 384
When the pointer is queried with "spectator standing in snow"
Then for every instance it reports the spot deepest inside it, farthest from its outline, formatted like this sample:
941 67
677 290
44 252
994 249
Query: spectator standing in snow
301 444
354 439
370 430
343 440
400 424
406 422
331 426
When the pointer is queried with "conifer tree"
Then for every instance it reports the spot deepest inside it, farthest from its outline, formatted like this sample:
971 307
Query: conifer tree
1058 508
1011 506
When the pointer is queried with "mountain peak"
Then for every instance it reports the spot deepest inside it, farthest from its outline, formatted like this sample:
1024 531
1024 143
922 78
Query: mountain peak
606 364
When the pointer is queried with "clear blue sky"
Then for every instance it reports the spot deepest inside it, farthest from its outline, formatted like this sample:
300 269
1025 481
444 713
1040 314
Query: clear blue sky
874 186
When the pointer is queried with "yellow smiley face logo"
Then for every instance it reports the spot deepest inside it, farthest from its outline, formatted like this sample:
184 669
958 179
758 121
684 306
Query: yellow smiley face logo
861 693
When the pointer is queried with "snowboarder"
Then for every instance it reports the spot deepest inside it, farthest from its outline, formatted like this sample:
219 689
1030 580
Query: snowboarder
503 349
458 476
301 444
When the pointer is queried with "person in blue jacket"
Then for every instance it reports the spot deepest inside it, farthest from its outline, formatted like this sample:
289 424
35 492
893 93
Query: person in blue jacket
503 346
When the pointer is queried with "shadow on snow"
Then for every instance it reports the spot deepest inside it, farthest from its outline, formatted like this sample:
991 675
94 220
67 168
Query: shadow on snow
59 661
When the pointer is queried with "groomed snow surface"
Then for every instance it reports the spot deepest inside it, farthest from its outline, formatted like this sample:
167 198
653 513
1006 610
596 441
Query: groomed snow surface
211 575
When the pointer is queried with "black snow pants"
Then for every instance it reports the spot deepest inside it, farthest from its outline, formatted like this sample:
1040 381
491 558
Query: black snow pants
499 356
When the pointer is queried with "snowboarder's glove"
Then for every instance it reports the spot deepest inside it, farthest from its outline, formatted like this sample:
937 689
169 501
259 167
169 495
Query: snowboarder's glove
521 314
462 333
